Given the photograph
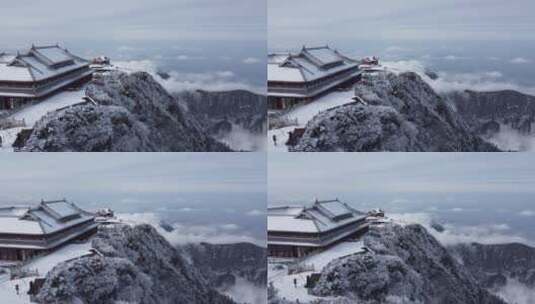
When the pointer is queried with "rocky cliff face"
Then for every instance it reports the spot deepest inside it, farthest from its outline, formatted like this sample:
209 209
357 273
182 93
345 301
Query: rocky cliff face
405 264
223 263
134 113
494 265
486 111
134 265
249 110
502 117
224 113
398 113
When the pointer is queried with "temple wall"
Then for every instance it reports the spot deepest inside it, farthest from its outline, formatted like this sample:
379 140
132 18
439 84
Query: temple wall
13 254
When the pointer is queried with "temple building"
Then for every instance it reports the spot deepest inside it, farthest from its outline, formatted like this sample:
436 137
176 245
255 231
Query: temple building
307 75
27 231
296 231
38 73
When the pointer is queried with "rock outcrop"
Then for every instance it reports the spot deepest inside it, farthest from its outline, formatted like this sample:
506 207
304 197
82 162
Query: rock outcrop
132 113
132 265
404 264
394 113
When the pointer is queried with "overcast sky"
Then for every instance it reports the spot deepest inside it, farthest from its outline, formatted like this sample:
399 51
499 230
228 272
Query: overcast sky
303 177
128 176
123 20
317 21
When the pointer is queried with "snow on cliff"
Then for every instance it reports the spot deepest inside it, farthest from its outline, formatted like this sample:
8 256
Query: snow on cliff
41 264
284 282
33 113
302 114
134 113
404 263
396 263
135 265
402 113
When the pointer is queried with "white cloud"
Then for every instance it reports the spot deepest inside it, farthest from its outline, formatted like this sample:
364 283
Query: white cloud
178 81
131 200
509 139
452 57
246 292
457 234
251 60
225 74
127 48
255 212
184 234
399 201
520 60
516 292
229 226
396 49
184 57
449 82
527 213
241 139
457 209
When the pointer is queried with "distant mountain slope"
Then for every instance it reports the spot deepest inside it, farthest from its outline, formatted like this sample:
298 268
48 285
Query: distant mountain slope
486 111
399 113
241 107
228 261
494 265
134 113
137 266
223 113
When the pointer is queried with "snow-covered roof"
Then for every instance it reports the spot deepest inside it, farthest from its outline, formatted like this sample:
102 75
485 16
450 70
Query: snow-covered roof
45 218
322 55
322 216
13 225
286 210
38 63
54 54
277 58
282 73
307 65
291 223
14 211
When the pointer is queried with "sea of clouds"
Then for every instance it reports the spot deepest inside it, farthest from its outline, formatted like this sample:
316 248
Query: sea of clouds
189 81
497 233
186 233
450 82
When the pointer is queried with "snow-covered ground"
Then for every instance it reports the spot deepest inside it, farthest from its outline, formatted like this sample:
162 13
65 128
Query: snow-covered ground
305 113
321 259
284 283
33 113
43 265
